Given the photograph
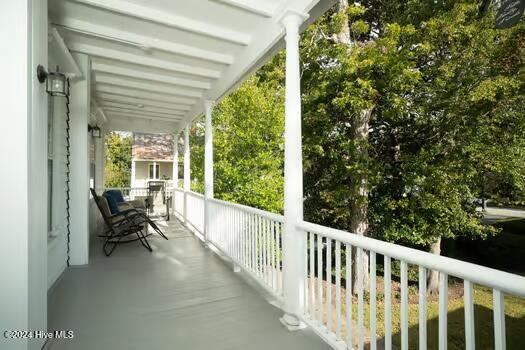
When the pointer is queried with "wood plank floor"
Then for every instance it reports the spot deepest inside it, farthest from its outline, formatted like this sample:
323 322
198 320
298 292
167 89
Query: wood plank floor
181 296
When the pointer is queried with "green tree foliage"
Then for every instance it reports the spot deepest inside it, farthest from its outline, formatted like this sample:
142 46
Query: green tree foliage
118 159
248 128
447 95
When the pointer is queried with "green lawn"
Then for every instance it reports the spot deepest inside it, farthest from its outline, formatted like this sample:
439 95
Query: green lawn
514 311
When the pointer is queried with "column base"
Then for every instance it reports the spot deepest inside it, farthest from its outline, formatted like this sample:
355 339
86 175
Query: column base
292 322
236 268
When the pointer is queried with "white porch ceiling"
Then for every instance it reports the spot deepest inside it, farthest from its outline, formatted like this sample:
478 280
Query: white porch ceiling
155 62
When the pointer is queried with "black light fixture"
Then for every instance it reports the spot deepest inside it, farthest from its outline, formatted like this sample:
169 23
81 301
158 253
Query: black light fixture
95 131
55 81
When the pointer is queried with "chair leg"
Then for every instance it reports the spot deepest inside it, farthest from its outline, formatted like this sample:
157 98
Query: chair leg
144 240
107 242
157 229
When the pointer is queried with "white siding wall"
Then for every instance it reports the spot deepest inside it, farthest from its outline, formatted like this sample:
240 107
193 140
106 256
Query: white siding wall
142 172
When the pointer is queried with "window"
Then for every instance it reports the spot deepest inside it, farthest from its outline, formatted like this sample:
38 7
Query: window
154 171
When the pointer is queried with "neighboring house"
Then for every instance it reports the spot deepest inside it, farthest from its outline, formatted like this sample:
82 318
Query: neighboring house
151 158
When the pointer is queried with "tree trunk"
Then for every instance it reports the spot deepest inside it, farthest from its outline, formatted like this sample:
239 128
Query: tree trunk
359 182
433 276
359 203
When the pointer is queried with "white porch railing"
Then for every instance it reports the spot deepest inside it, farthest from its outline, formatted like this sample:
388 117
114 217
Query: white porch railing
252 239
178 194
141 193
195 214
130 193
341 244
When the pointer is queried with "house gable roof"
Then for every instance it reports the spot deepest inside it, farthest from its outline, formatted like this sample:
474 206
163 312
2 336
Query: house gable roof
152 146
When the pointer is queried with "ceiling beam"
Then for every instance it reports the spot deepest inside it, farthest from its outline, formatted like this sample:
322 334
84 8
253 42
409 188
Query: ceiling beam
144 85
151 14
126 72
134 116
106 103
144 95
141 41
122 123
124 99
66 55
99 110
142 60
140 112
255 7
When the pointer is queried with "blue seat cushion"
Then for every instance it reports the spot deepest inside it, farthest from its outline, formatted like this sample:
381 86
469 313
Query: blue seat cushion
112 203
116 194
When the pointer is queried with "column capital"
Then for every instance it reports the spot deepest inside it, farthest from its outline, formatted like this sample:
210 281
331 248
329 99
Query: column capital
209 104
292 19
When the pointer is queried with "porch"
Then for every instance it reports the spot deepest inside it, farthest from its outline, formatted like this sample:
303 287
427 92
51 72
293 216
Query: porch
182 294
173 62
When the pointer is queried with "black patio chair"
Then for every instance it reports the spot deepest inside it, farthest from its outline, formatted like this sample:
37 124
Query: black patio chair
138 216
120 228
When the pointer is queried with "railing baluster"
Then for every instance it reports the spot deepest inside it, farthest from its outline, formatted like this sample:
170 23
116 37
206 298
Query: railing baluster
388 303
254 243
498 305
348 296
373 328
264 250
338 289
250 235
306 299
268 265
404 306
360 301
329 285
422 308
230 231
320 279
278 257
237 236
468 295
443 309
312 276
272 254
242 238
260 247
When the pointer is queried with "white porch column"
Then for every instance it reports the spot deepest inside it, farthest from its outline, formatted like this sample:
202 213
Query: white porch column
79 168
208 165
294 241
23 141
186 168
175 175
100 161
133 173
175 168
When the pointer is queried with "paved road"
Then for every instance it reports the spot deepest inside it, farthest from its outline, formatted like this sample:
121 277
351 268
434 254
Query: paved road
493 214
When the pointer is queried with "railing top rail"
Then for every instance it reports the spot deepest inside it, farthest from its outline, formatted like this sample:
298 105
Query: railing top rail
125 188
504 281
266 214
195 194
178 189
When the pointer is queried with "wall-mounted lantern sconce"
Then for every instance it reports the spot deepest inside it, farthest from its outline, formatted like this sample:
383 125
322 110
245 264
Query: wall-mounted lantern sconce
56 81
95 131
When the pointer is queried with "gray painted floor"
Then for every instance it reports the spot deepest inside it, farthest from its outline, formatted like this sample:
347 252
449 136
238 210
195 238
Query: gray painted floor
181 296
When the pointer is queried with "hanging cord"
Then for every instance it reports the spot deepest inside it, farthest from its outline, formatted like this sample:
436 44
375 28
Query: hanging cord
68 162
